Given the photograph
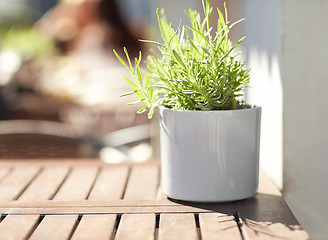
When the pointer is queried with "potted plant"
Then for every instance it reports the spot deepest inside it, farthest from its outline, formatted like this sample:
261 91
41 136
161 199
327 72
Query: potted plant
209 138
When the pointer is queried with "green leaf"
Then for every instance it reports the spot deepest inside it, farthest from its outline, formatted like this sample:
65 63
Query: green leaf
122 61
233 24
142 110
221 21
133 103
150 113
127 94
127 56
191 70
178 58
200 34
139 77
153 42
133 86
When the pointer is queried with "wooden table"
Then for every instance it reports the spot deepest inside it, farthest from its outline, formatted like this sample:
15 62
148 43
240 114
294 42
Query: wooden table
88 199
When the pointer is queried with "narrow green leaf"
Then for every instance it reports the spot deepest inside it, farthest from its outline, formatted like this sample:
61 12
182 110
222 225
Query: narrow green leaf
133 85
221 21
200 34
233 24
178 58
134 103
142 110
127 94
139 77
147 80
121 60
192 70
150 113
174 34
127 56
153 42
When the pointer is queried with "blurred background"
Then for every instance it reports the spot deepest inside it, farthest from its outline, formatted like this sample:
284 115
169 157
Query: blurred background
57 64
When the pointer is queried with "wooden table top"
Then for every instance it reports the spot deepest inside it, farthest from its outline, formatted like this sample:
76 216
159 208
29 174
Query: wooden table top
88 199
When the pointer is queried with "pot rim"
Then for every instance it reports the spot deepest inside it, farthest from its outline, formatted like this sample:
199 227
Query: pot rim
254 107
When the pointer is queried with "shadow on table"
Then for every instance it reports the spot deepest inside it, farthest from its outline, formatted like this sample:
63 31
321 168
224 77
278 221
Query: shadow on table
262 215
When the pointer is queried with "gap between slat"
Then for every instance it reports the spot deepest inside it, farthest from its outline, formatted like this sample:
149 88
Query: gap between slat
77 222
199 235
61 184
117 223
2 216
35 226
94 181
240 223
126 182
157 220
29 183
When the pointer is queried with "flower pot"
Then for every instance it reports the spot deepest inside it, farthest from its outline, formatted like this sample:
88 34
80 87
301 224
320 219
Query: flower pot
210 156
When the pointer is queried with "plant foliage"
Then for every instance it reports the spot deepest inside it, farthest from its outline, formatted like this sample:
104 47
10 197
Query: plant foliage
194 69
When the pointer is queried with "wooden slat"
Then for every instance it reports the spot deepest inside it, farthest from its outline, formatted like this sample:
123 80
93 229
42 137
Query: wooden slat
95 227
54 227
110 183
112 206
3 172
16 182
267 215
46 184
218 226
136 227
268 230
143 183
177 226
70 162
78 184
262 217
17 227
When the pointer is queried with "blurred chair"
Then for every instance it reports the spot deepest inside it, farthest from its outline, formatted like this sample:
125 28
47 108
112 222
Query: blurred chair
31 139
26 139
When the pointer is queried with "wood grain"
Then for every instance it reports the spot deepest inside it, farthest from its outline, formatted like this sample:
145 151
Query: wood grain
142 183
94 191
17 227
177 226
136 227
54 227
16 181
78 184
110 183
95 227
106 207
218 226
46 184
267 216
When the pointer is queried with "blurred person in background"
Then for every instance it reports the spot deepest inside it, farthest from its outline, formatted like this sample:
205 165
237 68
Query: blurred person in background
89 29
81 70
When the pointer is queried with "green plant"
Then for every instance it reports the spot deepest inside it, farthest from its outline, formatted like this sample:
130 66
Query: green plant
194 69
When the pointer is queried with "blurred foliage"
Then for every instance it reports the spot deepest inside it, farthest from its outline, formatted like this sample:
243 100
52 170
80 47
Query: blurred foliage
27 42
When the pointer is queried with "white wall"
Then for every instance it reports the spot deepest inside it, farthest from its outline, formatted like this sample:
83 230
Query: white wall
287 51
305 84
263 53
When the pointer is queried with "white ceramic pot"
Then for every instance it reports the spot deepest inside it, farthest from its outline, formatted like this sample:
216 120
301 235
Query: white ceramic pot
210 156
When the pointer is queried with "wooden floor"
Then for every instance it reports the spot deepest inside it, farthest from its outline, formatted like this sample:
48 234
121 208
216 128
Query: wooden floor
62 199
